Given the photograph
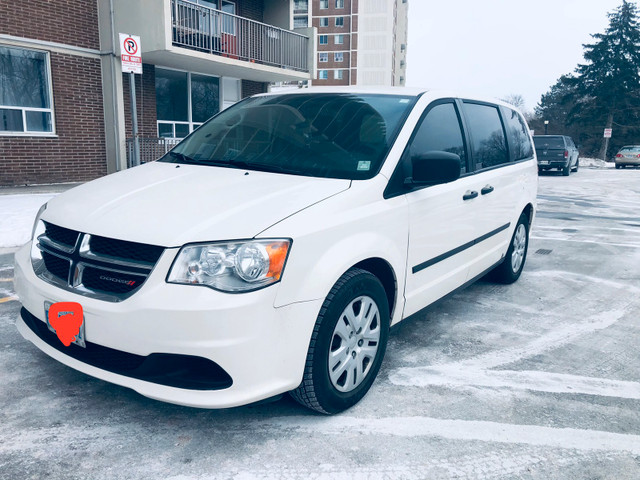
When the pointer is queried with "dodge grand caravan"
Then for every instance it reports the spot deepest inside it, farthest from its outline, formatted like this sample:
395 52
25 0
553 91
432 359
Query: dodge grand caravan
273 248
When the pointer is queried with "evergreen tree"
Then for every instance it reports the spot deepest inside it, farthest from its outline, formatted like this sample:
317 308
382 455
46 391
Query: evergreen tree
608 85
603 93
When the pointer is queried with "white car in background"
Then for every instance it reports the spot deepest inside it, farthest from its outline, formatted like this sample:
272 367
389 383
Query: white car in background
273 248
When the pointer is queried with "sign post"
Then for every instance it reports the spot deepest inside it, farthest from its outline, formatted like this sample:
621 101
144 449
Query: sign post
131 55
608 132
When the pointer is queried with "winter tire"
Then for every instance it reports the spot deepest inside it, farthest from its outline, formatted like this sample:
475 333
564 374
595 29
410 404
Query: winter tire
510 269
347 345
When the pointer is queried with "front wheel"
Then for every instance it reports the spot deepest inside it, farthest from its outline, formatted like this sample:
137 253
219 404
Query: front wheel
577 166
347 346
510 269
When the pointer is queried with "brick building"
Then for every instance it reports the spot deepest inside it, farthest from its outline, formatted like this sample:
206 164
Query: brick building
65 111
360 42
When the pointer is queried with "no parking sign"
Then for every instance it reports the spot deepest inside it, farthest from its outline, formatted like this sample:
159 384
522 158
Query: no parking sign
131 53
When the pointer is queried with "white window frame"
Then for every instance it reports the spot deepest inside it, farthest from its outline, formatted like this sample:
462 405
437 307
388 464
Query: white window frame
323 57
24 110
323 74
324 4
323 22
338 74
338 37
320 37
341 25
339 3
338 57
192 125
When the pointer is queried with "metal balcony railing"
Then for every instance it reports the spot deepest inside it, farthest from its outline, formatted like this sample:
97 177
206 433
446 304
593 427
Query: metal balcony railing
151 149
209 30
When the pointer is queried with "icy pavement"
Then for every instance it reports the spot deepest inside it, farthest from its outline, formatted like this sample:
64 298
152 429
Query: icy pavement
17 213
535 380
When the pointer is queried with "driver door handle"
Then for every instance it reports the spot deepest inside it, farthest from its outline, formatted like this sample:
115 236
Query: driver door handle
469 194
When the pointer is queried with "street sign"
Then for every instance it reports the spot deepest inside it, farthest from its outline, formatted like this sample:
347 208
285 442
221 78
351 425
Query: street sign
131 53
608 132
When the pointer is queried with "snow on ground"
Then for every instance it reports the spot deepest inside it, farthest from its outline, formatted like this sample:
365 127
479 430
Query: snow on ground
17 213
595 163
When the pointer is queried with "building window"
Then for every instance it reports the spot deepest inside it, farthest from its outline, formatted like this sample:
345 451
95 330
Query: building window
339 21
324 21
300 22
339 39
324 4
299 5
323 57
338 57
323 74
26 106
323 39
338 74
184 101
339 3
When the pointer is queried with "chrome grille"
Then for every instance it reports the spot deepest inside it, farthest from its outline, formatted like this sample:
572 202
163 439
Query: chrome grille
91 265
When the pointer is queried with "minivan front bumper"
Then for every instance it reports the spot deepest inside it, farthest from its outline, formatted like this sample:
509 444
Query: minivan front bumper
261 348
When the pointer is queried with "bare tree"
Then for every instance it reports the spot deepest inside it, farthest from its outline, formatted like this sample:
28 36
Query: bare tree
515 99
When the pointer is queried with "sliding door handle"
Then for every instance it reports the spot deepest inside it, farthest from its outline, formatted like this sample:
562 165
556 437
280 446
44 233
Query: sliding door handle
469 194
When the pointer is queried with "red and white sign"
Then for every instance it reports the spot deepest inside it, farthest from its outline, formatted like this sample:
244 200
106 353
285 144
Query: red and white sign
131 53
608 132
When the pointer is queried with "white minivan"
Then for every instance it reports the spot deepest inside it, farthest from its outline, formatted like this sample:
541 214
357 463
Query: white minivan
273 248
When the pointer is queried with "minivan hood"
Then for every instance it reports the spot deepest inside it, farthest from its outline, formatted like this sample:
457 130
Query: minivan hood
169 205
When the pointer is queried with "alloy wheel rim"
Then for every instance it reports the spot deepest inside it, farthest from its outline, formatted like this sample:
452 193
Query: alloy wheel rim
354 344
519 246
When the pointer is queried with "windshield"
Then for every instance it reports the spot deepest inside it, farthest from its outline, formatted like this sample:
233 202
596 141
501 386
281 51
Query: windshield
320 135
549 142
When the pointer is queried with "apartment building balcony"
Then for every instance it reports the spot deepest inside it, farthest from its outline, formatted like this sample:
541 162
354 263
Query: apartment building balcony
185 35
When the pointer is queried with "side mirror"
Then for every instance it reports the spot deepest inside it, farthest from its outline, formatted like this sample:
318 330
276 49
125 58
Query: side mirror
434 168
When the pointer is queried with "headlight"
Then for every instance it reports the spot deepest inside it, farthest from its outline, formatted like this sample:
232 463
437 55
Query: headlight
37 230
37 220
231 266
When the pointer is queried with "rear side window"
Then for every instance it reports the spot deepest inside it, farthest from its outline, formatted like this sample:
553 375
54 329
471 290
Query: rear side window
440 131
518 135
487 135
549 142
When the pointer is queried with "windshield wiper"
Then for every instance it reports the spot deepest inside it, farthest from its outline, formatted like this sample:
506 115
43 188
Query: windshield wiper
185 158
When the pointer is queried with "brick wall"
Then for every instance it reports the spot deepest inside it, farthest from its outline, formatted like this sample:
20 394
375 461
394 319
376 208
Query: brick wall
78 152
146 102
69 22
253 88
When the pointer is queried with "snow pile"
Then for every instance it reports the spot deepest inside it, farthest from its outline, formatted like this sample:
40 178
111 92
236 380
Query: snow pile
595 163
17 213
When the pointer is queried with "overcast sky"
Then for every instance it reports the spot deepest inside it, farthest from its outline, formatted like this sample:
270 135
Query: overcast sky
500 47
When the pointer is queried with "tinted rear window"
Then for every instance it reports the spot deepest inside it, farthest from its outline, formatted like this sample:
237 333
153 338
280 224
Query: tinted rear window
549 142
487 135
630 149
518 134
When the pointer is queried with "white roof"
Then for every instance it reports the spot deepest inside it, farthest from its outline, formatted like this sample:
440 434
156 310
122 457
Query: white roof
410 91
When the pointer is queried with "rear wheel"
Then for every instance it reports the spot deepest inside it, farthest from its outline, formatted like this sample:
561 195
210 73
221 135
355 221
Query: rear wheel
347 345
510 269
566 170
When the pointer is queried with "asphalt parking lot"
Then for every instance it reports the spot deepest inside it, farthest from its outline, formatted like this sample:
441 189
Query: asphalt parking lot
536 380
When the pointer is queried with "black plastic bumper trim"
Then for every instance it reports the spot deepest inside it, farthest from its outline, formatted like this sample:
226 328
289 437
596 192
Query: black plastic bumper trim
173 370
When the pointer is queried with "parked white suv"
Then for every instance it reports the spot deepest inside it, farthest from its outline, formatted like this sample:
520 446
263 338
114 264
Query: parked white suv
273 248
